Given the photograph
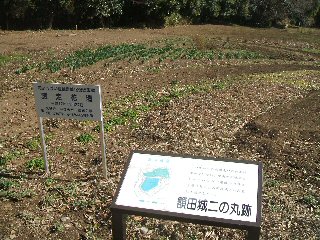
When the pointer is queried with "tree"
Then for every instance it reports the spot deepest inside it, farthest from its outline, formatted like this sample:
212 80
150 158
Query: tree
105 10
15 10
192 9
317 18
159 9
227 8
242 10
211 10
47 10
303 12
268 12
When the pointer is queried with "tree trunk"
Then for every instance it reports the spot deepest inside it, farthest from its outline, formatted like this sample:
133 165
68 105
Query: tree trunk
102 22
50 21
7 21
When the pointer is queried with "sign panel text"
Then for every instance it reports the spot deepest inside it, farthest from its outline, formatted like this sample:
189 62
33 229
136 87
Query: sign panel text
68 101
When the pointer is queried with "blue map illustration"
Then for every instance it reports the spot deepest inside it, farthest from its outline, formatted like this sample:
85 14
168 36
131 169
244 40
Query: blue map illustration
153 178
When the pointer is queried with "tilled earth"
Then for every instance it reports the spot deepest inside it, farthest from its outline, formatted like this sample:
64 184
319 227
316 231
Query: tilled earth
265 109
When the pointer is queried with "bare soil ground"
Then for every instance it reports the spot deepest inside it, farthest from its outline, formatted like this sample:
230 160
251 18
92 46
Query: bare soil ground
262 109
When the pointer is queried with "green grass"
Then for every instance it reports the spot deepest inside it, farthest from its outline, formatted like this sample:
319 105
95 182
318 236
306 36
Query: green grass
49 182
61 150
272 183
4 59
19 195
35 164
85 138
33 144
6 184
311 201
81 204
5 158
311 50
11 190
302 79
57 227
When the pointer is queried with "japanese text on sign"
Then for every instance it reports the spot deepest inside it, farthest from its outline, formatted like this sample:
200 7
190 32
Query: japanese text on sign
219 189
81 102
222 207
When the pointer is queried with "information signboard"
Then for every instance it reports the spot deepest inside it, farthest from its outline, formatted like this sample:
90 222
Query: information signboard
214 190
81 102
69 101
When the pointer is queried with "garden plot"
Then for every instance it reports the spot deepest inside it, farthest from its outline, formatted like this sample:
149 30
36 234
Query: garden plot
187 90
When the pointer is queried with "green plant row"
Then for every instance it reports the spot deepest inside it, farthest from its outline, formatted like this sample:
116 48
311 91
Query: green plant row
130 52
5 158
4 59
12 190
151 100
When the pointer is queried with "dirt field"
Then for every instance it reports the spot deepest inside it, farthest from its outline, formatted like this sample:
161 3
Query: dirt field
210 90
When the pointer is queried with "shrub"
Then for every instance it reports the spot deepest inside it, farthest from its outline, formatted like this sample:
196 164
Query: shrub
172 20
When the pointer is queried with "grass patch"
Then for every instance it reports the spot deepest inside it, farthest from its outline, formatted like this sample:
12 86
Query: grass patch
57 227
5 158
6 184
311 201
85 138
311 50
35 164
11 190
272 183
4 59
302 79
49 182
61 150
33 144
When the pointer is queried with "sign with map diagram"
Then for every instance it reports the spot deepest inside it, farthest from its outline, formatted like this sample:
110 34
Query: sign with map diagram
229 190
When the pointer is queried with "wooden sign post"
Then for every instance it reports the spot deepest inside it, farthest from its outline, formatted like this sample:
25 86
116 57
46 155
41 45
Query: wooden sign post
216 192
69 101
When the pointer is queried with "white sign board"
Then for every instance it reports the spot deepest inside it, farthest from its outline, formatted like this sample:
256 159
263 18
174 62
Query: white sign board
69 101
81 102
209 188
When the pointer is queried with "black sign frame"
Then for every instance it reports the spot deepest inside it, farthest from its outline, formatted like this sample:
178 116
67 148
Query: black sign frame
119 212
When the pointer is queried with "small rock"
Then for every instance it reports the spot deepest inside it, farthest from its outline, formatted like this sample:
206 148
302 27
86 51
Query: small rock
12 236
65 219
144 230
67 225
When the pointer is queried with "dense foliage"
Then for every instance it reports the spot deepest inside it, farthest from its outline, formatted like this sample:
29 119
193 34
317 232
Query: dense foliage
42 14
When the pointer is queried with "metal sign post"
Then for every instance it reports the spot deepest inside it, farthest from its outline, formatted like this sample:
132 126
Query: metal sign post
103 149
43 145
69 101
